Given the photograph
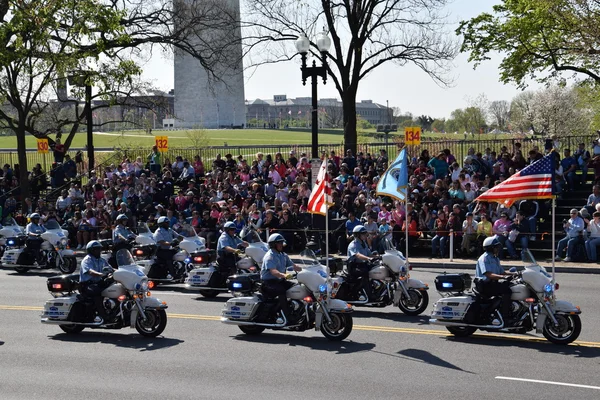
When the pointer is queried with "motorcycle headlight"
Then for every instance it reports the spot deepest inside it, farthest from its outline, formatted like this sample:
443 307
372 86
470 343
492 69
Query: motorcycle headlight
323 288
10 242
144 286
548 289
64 241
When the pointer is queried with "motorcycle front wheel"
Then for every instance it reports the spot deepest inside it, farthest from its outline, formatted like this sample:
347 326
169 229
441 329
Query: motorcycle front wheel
68 266
155 324
567 330
418 302
21 270
252 330
339 328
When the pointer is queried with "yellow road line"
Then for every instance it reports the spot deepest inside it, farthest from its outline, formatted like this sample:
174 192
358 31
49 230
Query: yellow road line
372 328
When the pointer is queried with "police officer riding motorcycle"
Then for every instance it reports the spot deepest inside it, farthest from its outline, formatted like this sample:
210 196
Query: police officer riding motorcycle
166 238
273 274
92 276
360 258
491 279
227 249
122 238
34 241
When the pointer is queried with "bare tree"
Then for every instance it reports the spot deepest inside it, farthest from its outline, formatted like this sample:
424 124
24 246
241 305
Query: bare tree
334 112
365 35
499 111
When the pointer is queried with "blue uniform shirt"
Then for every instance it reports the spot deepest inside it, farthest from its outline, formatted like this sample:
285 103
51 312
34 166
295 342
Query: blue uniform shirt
123 231
358 247
34 228
488 263
168 235
274 260
227 240
91 263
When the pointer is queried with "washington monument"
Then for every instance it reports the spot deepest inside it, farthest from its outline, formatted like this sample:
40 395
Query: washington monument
200 101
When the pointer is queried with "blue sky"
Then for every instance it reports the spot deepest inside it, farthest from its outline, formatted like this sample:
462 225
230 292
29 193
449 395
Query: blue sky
405 87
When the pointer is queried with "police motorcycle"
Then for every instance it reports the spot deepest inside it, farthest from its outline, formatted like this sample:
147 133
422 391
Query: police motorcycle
391 284
54 252
310 303
11 235
533 306
189 252
210 281
127 302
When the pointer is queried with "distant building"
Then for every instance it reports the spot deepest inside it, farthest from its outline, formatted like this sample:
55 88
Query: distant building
280 110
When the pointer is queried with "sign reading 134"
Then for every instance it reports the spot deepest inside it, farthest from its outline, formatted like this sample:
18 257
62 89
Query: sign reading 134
412 135
162 143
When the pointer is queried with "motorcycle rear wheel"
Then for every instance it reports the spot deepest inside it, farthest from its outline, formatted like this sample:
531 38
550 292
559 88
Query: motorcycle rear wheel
209 294
461 331
68 266
567 331
154 325
339 328
72 329
419 300
252 330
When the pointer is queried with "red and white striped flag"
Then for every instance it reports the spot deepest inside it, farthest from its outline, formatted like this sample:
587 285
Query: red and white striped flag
533 182
320 196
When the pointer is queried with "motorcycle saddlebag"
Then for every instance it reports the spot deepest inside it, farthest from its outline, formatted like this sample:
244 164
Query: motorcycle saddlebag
63 283
200 276
452 308
456 283
242 283
241 308
59 308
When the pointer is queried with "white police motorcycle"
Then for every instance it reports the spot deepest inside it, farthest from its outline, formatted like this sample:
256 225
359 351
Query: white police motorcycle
210 282
11 235
309 299
534 306
390 284
191 251
127 302
54 252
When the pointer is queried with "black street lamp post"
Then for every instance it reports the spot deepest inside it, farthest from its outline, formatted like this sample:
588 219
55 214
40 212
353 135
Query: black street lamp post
303 46
83 80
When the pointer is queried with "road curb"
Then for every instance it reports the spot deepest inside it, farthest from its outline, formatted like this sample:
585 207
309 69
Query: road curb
461 265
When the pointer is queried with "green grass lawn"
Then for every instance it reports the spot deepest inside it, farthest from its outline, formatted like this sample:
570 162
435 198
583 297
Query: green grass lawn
218 137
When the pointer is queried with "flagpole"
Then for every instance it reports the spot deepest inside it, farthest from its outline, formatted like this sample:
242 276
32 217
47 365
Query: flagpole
406 222
553 239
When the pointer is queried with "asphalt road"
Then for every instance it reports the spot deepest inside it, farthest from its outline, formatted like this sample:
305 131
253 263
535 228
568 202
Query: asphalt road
387 355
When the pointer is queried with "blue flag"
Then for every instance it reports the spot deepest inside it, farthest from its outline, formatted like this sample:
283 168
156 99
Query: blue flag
394 181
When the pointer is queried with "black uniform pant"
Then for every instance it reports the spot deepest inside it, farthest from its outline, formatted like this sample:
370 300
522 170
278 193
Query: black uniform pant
164 258
491 288
34 244
361 271
227 263
93 290
277 288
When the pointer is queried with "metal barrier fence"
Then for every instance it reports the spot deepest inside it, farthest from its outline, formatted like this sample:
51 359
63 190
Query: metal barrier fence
458 147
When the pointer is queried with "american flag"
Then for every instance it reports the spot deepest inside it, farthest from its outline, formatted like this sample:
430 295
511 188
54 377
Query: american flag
320 196
533 182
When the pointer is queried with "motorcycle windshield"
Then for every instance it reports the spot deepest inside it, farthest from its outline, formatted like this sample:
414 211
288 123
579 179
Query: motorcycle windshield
530 261
142 228
124 258
308 257
252 237
51 225
11 223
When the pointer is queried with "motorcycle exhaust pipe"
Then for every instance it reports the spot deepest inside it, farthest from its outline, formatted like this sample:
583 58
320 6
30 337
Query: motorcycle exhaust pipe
448 323
234 322
65 322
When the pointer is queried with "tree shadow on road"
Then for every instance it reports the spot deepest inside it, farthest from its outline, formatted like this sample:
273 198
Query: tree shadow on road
313 343
541 345
422 356
135 342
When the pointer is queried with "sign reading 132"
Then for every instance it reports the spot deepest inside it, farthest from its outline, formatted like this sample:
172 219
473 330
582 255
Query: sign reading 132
412 135
162 143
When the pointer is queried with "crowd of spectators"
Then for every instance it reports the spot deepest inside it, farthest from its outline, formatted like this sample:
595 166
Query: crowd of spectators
270 192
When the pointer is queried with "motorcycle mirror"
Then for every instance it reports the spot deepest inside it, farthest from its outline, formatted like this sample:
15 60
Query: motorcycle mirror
513 269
